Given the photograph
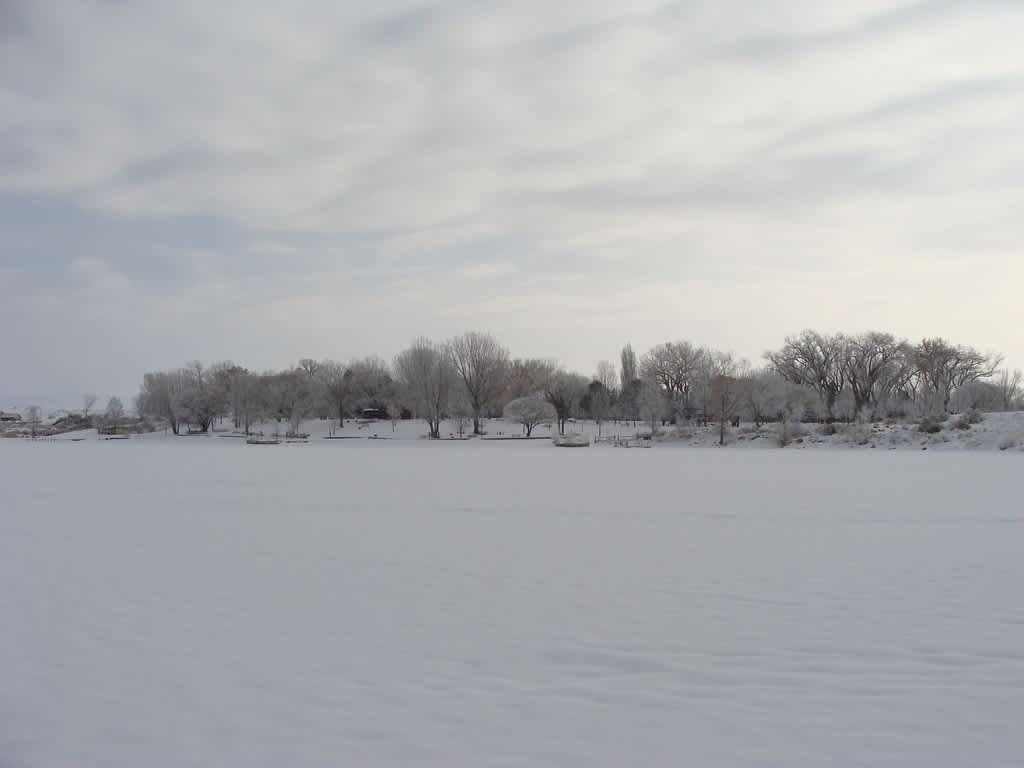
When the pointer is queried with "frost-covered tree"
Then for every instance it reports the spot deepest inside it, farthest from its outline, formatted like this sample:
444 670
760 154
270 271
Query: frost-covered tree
480 363
293 395
201 399
159 395
371 385
525 377
114 413
977 395
650 402
530 412
764 397
425 373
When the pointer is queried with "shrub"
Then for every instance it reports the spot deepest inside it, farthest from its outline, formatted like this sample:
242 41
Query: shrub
788 431
929 426
783 436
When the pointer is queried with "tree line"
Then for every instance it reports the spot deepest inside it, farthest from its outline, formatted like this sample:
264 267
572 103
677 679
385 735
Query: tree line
472 377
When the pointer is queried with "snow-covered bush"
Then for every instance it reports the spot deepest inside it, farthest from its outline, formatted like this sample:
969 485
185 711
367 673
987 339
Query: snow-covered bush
788 431
860 434
530 412
1013 441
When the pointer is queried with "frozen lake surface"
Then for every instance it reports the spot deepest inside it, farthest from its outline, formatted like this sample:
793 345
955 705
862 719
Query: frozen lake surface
195 602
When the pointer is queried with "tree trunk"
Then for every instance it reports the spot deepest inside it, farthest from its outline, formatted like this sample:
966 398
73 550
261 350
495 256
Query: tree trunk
721 418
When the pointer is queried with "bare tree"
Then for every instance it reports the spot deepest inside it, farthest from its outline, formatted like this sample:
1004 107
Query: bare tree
526 377
607 376
159 396
977 395
676 368
530 412
764 397
813 360
564 390
317 403
88 401
627 405
244 393
34 418
301 394
650 402
480 363
1009 386
425 373
460 410
309 366
337 380
222 378
726 388
941 367
872 363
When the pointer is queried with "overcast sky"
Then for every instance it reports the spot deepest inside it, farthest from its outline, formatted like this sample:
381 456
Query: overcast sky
264 181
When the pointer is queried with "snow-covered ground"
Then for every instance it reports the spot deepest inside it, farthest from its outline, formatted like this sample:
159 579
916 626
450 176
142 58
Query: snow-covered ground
199 601
996 431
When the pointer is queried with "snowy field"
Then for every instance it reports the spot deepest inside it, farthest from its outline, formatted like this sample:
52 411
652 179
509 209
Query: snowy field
198 601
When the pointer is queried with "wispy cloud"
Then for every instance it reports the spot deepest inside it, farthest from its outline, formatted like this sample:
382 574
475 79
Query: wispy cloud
350 170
